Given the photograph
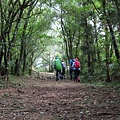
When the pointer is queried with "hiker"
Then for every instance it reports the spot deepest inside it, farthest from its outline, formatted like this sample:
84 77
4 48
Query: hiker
63 69
77 70
58 68
71 68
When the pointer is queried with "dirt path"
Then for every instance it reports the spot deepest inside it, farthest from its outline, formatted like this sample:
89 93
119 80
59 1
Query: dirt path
63 100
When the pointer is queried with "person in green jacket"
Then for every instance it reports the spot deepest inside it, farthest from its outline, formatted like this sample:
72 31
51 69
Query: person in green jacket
58 68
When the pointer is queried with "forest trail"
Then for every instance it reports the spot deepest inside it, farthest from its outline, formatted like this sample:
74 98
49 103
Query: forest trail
36 99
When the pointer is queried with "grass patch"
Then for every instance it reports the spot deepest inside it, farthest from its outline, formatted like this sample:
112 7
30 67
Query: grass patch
113 84
100 82
15 80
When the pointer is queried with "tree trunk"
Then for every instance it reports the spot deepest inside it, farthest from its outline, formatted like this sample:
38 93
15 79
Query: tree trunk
114 44
24 62
107 44
1 56
87 43
112 34
96 40
117 3
16 66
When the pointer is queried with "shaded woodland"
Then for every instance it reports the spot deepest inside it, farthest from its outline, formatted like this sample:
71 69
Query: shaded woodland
89 29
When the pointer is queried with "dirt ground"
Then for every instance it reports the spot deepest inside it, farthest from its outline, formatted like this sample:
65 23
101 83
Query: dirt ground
37 99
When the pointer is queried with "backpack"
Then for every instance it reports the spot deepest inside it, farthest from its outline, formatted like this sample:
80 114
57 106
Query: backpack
58 64
77 64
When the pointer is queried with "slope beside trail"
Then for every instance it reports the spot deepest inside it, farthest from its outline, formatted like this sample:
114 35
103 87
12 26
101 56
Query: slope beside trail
37 99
